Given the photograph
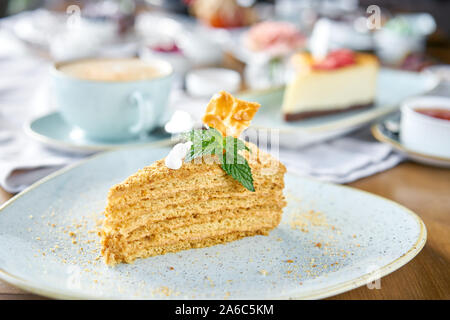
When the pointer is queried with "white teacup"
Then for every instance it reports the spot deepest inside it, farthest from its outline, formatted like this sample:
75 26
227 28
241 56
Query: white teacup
423 133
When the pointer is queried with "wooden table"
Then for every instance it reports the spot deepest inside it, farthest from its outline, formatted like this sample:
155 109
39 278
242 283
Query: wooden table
426 191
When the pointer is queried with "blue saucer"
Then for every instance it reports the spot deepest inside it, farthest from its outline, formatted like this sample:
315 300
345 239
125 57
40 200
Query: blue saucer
54 132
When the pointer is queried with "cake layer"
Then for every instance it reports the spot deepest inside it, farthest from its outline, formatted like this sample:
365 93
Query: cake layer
148 211
250 222
195 189
137 231
189 211
111 257
129 191
311 114
160 179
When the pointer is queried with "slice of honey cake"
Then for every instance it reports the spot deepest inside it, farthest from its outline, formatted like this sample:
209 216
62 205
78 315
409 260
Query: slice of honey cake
223 191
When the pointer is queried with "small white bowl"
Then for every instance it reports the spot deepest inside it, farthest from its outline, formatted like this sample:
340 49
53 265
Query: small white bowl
208 81
423 133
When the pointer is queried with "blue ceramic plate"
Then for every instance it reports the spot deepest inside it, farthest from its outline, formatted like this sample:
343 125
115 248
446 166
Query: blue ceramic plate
53 131
331 239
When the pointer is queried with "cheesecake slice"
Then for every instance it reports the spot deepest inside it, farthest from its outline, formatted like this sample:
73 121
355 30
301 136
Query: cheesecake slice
343 81
160 209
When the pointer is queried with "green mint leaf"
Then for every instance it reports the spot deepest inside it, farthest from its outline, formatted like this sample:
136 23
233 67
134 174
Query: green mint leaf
203 137
211 142
233 145
213 135
204 142
240 170
193 135
193 153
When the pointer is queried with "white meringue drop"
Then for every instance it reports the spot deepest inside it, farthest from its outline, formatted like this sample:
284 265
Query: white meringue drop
174 159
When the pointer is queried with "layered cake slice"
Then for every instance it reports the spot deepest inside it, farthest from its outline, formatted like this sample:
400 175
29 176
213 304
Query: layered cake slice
342 81
224 190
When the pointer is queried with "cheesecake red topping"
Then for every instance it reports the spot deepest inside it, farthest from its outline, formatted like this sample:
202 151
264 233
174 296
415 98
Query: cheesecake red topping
336 59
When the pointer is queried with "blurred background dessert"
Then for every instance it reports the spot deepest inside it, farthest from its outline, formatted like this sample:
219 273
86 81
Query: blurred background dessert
223 13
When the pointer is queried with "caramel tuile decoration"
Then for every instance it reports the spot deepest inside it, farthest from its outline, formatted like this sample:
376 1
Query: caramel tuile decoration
228 114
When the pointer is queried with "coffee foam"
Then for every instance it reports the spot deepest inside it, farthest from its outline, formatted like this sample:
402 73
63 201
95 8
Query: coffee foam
111 70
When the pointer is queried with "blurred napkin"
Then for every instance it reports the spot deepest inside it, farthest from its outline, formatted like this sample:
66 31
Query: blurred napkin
341 160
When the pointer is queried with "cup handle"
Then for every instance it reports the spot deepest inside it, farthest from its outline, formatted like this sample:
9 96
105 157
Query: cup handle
146 112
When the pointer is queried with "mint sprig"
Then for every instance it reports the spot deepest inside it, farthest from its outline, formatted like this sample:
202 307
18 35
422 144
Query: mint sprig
211 142
240 171
204 142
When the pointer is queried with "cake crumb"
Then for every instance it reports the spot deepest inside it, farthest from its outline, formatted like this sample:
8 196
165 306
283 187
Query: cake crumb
305 220
163 290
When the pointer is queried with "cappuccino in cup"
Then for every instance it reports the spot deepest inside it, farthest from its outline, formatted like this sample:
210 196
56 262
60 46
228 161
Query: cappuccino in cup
111 70
112 99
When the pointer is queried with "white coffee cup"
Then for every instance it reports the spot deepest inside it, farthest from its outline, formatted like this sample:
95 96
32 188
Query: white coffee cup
423 133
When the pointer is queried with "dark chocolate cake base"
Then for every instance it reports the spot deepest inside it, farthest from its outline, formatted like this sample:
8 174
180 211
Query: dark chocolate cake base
312 114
